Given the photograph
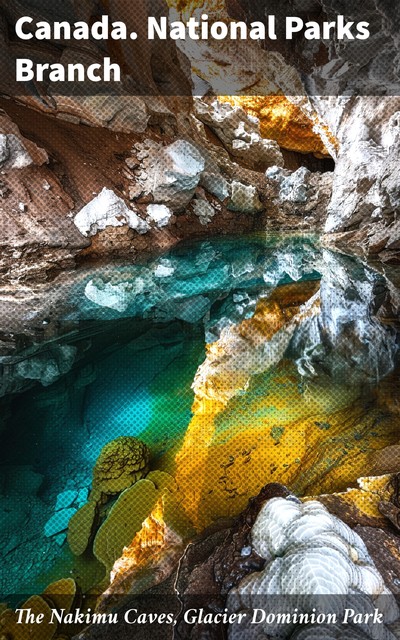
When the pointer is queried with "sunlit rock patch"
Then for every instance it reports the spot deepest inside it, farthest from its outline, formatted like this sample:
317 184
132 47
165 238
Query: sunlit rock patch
254 416
154 551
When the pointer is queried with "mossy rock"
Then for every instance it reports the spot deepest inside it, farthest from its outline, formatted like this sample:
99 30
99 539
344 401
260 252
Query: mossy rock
121 463
61 594
81 528
10 629
162 480
124 521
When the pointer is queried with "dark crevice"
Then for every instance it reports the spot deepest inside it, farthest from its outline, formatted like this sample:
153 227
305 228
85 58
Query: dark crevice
294 160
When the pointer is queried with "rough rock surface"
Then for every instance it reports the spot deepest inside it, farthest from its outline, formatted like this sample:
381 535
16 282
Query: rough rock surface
123 110
309 553
239 133
40 202
176 174
121 463
363 209
282 120
221 559
105 210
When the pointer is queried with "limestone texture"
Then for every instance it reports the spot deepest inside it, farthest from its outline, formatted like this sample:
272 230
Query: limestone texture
239 360
107 209
310 553
283 121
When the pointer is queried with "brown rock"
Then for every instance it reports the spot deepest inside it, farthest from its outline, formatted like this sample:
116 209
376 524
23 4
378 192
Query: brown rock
214 564
384 549
385 460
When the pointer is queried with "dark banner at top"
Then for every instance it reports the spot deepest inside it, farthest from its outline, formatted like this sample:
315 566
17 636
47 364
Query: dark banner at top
196 47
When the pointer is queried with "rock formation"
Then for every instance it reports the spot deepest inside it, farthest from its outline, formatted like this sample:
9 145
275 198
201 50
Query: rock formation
310 553
121 463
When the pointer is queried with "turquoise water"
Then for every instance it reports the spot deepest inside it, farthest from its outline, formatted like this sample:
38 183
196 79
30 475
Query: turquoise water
127 366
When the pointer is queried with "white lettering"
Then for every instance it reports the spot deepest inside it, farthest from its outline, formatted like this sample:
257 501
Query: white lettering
157 29
293 25
363 30
18 28
24 72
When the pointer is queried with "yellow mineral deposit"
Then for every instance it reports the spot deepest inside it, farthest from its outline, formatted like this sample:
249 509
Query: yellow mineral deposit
147 542
362 503
10 628
155 546
61 594
187 7
125 518
314 440
293 124
120 464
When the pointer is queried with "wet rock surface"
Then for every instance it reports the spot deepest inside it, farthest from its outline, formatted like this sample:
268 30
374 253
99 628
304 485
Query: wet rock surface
270 401
214 566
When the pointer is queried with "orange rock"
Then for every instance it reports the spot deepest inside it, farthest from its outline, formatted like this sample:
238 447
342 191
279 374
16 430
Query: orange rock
188 6
284 122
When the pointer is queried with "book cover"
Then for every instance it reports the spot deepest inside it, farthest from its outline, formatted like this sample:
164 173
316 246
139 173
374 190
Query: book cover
199 320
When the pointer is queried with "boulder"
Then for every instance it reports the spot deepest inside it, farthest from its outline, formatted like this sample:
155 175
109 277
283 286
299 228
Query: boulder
240 133
204 211
107 210
244 198
309 552
159 214
216 184
293 187
176 174
121 463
